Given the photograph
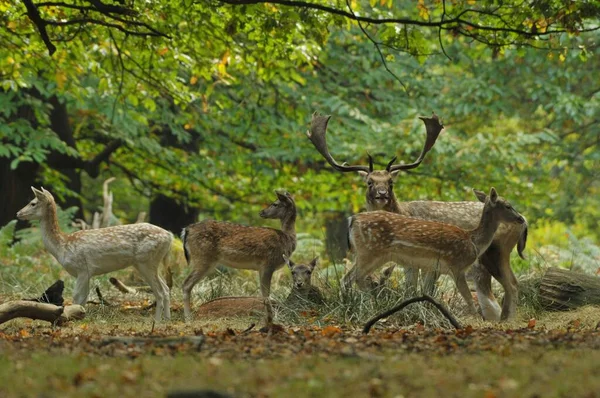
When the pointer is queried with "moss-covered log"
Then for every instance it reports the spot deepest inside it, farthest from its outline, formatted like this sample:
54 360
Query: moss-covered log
562 289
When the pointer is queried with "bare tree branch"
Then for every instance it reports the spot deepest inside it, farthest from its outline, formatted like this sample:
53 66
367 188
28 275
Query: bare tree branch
446 24
114 12
34 15
405 303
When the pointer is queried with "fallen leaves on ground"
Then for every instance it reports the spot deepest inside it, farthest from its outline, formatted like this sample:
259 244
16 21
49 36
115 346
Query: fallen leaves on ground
329 340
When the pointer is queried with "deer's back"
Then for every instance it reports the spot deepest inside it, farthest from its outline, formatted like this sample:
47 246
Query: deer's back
381 233
238 246
465 215
112 248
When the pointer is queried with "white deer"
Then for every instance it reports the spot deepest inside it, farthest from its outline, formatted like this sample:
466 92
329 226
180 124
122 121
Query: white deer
380 236
92 252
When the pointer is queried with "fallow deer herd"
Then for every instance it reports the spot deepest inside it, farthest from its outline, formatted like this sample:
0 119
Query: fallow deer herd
432 236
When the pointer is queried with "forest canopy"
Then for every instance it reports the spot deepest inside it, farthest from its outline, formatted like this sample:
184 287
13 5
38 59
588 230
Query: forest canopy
201 107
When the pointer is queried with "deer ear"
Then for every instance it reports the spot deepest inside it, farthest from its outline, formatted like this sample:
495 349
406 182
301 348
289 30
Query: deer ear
480 195
38 194
47 194
313 263
282 194
388 271
493 195
363 174
288 261
394 174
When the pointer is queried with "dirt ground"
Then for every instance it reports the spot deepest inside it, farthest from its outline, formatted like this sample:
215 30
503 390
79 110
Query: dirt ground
556 355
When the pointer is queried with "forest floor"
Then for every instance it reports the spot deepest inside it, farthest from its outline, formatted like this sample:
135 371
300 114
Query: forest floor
557 354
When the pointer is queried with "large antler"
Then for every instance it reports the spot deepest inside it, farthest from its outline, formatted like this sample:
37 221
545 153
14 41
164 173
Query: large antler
434 128
316 134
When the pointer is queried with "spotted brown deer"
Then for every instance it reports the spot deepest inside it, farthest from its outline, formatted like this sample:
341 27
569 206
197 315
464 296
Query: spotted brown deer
92 252
495 261
380 236
209 243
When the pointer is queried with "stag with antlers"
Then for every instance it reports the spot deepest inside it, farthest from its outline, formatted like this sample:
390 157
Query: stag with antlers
495 261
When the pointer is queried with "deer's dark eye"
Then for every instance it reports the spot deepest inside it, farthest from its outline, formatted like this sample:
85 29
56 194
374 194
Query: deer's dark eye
370 183
33 204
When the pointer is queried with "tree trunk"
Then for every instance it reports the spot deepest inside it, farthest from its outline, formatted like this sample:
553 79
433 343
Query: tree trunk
15 186
59 122
170 215
562 289
336 236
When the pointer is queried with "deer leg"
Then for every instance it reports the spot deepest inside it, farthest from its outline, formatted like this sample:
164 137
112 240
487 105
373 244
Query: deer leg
411 281
166 298
490 308
149 273
463 288
429 280
198 272
362 269
511 287
265 288
349 278
82 288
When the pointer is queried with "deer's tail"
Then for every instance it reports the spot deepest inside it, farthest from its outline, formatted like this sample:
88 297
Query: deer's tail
185 248
522 240
349 235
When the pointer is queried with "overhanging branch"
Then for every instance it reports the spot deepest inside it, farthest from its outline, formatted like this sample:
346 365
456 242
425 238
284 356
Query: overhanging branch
445 23
111 16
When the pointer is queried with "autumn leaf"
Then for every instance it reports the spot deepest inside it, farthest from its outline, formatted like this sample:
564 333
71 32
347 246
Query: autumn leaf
61 78
85 375
330 331
193 80
24 334
423 10
531 323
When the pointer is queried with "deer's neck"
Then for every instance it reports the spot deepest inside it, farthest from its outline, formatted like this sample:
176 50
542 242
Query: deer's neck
52 236
288 225
483 235
392 205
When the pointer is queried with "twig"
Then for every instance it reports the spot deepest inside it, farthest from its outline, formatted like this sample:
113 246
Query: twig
100 298
249 328
385 65
405 303
35 17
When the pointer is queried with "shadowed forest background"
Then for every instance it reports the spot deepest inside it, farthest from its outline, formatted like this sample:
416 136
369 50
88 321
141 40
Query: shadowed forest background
201 110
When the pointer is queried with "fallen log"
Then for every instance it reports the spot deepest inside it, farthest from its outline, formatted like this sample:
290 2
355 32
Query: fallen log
561 289
41 311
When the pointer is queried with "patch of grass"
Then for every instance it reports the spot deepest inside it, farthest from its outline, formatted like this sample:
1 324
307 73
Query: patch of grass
537 372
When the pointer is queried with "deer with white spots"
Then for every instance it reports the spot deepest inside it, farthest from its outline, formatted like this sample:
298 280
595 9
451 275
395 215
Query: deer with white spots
92 252
495 261
209 243
380 236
